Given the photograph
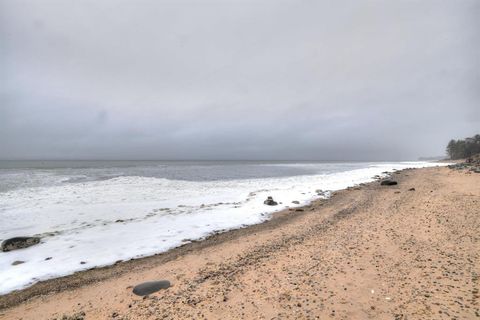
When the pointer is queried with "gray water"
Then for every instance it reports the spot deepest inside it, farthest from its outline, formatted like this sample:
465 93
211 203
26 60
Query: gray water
26 174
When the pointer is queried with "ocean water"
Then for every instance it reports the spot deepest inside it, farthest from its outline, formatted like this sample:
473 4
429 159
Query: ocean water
94 213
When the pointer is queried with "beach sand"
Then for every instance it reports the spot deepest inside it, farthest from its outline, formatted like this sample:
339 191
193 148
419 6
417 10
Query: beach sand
370 252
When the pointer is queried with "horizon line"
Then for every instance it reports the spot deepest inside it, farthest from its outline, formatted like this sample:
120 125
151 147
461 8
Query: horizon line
301 160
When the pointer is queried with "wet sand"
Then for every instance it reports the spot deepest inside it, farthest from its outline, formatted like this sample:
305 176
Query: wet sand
372 252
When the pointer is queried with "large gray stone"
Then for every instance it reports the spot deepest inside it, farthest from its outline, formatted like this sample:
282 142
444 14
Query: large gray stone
270 202
19 243
388 182
150 287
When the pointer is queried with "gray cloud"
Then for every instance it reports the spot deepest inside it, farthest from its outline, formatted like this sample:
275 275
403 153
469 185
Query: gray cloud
237 79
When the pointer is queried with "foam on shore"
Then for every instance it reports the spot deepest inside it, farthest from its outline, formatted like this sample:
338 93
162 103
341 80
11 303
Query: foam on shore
97 223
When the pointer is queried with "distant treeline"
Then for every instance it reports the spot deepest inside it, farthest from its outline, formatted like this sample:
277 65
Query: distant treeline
460 149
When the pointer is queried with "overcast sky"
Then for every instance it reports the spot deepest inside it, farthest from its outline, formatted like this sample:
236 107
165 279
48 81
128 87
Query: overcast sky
344 80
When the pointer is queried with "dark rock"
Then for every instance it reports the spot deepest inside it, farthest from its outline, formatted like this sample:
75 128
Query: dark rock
119 220
77 316
296 202
270 202
150 287
16 263
48 258
19 243
299 210
82 262
411 189
388 183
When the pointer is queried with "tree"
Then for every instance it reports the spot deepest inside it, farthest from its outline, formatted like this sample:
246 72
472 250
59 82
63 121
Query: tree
451 149
459 149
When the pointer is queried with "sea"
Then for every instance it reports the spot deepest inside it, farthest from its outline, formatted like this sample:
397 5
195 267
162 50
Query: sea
95 213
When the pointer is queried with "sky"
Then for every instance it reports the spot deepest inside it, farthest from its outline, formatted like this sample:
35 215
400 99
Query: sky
257 80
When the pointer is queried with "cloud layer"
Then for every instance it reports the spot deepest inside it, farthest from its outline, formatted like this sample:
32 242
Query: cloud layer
356 80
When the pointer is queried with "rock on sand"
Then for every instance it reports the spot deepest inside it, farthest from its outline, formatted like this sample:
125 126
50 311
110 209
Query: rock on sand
146 288
388 183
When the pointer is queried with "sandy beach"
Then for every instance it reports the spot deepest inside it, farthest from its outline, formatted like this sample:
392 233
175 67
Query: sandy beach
369 252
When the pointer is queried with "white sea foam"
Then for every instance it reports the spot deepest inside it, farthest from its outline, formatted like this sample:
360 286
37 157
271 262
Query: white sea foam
103 221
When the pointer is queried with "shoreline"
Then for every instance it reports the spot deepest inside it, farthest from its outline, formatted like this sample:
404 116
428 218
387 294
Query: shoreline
86 277
185 246
321 217
78 222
